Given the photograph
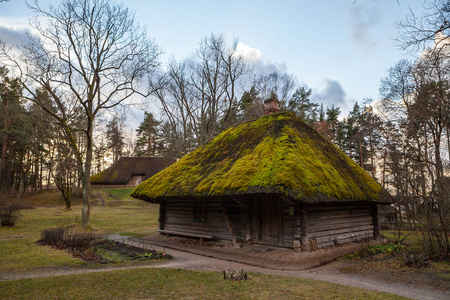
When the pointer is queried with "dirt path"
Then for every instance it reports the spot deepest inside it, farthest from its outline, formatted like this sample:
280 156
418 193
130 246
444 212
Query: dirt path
191 261
98 196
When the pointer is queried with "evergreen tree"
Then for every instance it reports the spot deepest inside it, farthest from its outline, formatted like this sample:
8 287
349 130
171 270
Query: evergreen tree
15 134
321 113
148 142
301 105
332 123
115 139
250 106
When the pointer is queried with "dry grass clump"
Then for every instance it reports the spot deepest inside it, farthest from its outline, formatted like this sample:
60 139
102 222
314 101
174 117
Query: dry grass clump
9 214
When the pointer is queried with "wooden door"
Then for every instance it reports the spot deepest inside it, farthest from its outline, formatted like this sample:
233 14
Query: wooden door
271 229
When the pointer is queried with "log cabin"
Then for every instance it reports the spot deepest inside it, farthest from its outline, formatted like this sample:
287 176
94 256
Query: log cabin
130 171
273 181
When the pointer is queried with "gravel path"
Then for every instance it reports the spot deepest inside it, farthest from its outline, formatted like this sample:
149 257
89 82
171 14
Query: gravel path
192 261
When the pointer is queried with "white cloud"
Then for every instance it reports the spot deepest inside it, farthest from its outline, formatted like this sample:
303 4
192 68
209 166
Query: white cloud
363 20
14 36
248 52
330 93
255 58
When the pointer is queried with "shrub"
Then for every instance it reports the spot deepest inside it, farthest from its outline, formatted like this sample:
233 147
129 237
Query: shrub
53 236
416 260
77 193
66 238
79 241
9 214
373 250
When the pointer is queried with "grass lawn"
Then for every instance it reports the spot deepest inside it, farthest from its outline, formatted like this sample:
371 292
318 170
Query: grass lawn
116 212
18 249
391 267
179 284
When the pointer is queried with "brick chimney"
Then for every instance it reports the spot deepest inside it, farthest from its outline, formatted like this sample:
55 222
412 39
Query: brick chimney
271 106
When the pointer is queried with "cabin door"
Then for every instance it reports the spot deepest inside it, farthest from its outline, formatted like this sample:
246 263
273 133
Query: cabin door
270 223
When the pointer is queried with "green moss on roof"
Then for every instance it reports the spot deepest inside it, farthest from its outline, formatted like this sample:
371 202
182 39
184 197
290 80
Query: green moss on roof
125 167
274 154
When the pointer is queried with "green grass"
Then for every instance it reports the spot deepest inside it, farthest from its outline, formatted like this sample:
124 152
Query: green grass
126 220
24 254
20 253
179 284
121 193
408 238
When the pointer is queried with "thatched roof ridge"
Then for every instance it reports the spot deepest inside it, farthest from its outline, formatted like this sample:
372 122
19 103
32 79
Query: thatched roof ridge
121 172
275 154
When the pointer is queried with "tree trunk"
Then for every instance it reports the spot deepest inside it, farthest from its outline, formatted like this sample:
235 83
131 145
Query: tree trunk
21 188
67 200
149 141
360 150
86 210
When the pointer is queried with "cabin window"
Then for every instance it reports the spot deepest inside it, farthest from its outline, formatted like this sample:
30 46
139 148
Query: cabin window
200 212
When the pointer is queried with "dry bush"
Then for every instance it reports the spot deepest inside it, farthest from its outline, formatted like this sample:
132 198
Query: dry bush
79 241
53 236
9 214
66 238
77 193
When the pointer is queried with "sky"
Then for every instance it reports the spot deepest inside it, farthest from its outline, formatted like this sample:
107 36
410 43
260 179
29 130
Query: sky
339 48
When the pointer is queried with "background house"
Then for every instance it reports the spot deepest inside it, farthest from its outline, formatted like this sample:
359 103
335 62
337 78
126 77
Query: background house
130 171
387 215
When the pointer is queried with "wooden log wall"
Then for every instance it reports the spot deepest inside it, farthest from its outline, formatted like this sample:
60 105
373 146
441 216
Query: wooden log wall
288 223
326 224
179 216
239 217
331 224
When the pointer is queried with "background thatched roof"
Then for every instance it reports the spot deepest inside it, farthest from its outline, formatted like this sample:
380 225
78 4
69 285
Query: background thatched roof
275 154
121 171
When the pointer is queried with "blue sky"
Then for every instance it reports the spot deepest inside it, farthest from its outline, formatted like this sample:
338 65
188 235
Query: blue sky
338 48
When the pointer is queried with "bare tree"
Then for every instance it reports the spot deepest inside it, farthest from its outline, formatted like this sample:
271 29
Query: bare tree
282 84
199 98
88 55
416 31
417 105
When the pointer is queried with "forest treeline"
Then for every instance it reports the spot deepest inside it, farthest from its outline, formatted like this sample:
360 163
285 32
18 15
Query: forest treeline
61 113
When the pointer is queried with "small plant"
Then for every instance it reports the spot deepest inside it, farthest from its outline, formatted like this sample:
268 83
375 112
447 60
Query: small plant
373 250
53 236
236 275
79 241
9 214
416 260
65 238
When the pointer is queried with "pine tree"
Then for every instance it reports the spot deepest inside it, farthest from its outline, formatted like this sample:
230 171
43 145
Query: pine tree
148 142
332 123
250 106
115 139
301 105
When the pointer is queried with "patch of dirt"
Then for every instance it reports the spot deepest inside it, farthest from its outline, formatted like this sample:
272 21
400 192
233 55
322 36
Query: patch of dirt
257 255
109 251
332 261
393 269
186 259
97 198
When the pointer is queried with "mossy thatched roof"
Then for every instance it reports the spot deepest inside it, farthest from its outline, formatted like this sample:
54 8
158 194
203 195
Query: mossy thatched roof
121 172
275 154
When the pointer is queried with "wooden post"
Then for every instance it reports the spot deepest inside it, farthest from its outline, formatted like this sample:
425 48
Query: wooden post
162 215
280 222
297 244
376 224
304 228
249 235
230 228
256 220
